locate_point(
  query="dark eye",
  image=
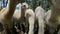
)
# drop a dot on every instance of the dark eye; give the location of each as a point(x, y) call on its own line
point(1, 27)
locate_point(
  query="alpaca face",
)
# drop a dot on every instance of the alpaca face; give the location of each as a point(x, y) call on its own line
point(25, 5)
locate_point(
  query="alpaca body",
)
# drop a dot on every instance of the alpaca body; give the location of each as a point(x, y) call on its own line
point(40, 13)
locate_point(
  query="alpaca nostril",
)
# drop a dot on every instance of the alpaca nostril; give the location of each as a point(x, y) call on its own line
point(1, 27)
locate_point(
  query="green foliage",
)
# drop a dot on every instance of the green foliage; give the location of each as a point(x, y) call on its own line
point(34, 3)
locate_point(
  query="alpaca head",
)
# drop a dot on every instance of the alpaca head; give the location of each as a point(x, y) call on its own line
point(25, 4)
point(23, 8)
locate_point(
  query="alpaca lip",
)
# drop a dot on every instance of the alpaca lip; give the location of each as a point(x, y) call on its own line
point(1, 27)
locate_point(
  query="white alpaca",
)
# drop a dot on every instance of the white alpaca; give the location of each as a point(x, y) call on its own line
point(18, 14)
point(40, 12)
point(31, 19)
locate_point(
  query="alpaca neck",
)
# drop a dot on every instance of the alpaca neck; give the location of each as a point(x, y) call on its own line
point(23, 12)
point(11, 9)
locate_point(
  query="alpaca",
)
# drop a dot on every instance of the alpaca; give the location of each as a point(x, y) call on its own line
point(6, 16)
point(40, 12)
point(30, 15)
point(28, 19)
point(20, 19)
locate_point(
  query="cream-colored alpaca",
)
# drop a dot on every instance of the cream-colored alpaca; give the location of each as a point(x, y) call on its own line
point(30, 15)
point(40, 13)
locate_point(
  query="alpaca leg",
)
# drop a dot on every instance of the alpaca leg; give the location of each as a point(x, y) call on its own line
point(31, 25)
point(41, 26)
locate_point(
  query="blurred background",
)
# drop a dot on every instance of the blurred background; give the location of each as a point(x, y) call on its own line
point(32, 4)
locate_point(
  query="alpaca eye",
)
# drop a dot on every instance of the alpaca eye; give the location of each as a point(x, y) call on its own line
point(1, 27)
